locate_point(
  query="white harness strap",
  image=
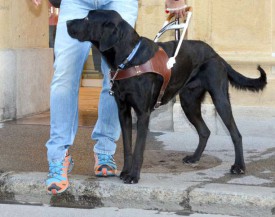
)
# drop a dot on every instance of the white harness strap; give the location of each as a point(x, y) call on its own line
point(172, 60)
point(173, 26)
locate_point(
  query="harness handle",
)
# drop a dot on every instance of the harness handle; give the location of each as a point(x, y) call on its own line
point(172, 60)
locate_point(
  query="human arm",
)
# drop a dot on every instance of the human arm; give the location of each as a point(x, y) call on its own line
point(175, 7)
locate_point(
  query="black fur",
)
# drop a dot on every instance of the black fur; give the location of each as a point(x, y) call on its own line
point(198, 69)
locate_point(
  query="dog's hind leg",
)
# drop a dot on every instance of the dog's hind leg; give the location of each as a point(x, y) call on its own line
point(223, 107)
point(190, 98)
point(220, 97)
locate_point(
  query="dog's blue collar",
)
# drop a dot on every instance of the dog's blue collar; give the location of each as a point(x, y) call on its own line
point(130, 57)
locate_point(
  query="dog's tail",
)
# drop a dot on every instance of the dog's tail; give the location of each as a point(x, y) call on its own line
point(239, 81)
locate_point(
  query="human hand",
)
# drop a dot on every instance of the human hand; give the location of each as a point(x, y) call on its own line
point(176, 7)
point(36, 2)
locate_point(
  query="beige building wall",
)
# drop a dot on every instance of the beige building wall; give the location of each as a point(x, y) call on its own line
point(151, 17)
point(243, 32)
point(23, 25)
point(25, 59)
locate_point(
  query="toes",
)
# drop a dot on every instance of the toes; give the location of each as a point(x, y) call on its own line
point(128, 179)
point(236, 169)
point(131, 180)
point(123, 175)
point(189, 160)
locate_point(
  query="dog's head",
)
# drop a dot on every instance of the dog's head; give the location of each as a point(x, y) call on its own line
point(104, 28)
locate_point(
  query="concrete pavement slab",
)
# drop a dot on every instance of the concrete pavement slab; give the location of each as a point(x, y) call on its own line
point(238, 200)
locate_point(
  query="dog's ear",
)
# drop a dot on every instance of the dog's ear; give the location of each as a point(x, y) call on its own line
point(109, 37)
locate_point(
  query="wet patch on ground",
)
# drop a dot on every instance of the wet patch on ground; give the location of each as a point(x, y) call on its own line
point(160, 161)
point(67, 199)
point(22, 149)
point(6, 196)
point(263, 169)
point(258, 173)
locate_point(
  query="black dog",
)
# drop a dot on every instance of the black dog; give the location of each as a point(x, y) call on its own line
point(198, 69)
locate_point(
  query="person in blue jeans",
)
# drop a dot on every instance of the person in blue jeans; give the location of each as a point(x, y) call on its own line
point(70, 56)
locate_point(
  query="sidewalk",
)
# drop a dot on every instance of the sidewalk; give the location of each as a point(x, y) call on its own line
point(166, 184)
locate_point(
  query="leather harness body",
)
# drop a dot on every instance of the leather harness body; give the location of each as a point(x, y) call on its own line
point(157, 64)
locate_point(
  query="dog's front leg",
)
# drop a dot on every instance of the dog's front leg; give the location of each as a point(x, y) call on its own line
point(125, 118)
point(142, 129)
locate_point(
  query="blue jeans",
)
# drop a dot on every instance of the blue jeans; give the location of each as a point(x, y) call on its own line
point(70, 56)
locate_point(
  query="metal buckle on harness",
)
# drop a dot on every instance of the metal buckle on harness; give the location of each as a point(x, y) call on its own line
point(112, 80)
point(111, 92)
point(157, 105)
point(138, 69)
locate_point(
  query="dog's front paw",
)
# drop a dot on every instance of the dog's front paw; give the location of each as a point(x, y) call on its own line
point(128, 179)
point(189, 160)
point(237, 169)
point(123, 175)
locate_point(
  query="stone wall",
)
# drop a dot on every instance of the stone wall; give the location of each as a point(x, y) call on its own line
point(25, 59)
point(242, 32)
